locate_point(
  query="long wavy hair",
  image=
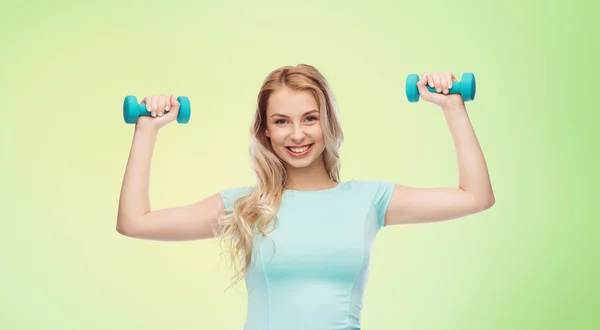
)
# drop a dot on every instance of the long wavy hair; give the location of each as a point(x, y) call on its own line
point(256, 212)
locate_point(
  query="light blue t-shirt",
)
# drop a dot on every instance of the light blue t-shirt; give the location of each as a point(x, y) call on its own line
point(312, 271)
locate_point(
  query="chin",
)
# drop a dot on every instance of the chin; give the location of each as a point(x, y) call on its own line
point(294, 163)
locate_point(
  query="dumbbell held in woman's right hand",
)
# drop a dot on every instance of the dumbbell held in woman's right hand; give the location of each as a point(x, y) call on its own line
point(132, 109)
point(466, 87)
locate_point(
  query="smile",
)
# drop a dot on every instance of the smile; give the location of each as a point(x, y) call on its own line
point(301, 151)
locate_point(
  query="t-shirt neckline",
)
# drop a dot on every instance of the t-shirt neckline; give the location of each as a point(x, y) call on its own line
point(312, 192)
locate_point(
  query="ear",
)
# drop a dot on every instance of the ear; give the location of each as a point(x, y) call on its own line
point(267, 134)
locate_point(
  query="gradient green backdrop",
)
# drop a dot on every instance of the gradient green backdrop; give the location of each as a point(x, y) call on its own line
point(530, 262)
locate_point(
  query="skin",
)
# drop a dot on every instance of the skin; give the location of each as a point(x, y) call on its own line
point(408, 204)
point(473, 193)
point(293, 119)
point(291, 124)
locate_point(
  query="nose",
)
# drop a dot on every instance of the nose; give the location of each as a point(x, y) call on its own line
point(298, 134)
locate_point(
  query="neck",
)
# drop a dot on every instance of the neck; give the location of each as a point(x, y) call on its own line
point(313, 177)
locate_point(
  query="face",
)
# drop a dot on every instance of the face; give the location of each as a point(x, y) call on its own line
point(294, 127)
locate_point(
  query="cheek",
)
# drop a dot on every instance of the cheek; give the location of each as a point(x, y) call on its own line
point(276, 137)
point(316, 132)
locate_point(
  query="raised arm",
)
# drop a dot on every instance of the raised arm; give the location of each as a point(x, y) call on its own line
point(135, 217)
point(474, 190)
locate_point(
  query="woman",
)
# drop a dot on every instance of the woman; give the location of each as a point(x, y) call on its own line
point(302, 236)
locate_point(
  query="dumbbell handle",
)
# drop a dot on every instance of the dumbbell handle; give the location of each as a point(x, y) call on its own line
point(143, 112)
point(455, 89)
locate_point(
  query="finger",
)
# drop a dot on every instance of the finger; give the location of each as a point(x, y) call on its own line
point(430, 79)
point(449, 80)
point(422, 84)
point(445, 83)
point(162, 101)
point(148, 102)
point(154, 105)
point(168, 105)
point(174, 103)
point(423, 81)
point(437, 82)
point(172, 114)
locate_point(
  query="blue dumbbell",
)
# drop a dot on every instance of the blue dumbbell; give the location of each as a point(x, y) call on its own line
point(132, 110)
point(465, 87)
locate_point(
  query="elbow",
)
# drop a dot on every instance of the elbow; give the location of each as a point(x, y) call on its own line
point(125, 228)
point(486, 203)
point(122, 230)
point(481, 202)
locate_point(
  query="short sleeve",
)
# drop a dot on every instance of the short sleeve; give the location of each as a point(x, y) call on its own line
point(229, 196)
point(380, 193)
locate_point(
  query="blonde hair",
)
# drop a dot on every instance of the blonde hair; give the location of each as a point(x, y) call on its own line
point(254, 212)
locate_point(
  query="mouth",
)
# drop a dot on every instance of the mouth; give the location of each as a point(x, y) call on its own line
point(299, 151)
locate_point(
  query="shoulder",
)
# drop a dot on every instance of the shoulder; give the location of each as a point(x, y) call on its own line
point(230, 195)
point(375, 189)
point(378, 192)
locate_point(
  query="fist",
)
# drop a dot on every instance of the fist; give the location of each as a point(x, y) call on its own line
point(163, 110)
point(442, 82)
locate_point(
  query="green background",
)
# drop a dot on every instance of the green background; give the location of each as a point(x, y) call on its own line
point(530, 262)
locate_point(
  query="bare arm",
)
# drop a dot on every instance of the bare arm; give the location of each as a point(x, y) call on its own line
point(135, 217)
point(474, 191)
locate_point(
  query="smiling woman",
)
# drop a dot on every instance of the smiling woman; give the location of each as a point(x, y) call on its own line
point(302, 236)
point(295, 150)
point(295, 132)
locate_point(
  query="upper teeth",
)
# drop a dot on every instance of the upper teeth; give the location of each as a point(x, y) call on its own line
point(303, 149)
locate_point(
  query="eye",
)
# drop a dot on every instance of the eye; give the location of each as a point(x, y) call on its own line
point(311, 117)
point(280, 121)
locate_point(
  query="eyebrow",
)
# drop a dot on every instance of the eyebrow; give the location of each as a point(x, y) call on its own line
point(306, 113)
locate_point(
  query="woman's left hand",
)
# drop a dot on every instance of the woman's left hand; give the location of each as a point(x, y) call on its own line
point(442, 82)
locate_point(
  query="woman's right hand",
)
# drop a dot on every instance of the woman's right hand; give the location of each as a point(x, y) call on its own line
point(157, 106)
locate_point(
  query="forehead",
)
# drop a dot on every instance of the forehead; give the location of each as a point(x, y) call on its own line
point(286, 101)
